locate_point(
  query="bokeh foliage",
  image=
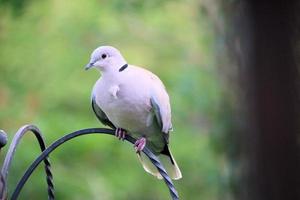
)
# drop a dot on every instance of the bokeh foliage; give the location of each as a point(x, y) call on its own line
point(43, 50)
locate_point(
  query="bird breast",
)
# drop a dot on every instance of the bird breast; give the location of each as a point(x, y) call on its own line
point(125, 107)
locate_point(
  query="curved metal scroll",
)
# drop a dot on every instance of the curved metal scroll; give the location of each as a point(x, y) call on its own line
point(72, 135)
point(11, 152)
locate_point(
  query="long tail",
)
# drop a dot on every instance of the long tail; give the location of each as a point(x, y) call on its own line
point(166, 159)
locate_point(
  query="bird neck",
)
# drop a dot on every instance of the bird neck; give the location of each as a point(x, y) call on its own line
point(123, 67)
point(114, 74)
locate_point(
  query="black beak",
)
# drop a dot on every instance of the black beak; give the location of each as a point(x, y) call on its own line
point(88, 66)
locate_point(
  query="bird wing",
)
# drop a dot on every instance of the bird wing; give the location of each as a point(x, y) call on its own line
point(159, 100)
point(101, 115)
point(163, 117)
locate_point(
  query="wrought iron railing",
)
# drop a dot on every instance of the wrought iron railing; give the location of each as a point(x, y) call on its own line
point(44, 156)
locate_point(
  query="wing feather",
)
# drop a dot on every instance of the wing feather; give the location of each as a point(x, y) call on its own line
point(161, 119)
point(101, 115)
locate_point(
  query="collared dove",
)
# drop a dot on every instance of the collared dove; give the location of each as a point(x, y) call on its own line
point(133, 101)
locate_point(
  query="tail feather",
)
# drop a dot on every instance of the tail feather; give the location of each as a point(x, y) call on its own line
point(148, 166)
point(167, 161)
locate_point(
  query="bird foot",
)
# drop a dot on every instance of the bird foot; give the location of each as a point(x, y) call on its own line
point(120, 133)
point(140, 144)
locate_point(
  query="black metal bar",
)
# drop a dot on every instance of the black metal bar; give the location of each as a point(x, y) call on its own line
point(3, 141)
point(72, 135)
point(11, 152)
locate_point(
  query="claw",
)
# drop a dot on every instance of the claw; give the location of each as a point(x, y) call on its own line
point(123, 134)
point(120, 133)
point(140, 144)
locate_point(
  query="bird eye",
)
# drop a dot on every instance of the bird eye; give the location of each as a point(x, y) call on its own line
point(103, 56)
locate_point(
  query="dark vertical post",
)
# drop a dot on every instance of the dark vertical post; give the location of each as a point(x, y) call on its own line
point(273, 104)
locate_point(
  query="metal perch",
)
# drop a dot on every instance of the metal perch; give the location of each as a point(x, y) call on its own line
point(11, 152)
point(46, 151)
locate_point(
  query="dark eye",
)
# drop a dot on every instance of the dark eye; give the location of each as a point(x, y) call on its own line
point(103, 56)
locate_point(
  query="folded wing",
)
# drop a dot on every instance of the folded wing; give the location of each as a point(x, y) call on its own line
point(101, 115)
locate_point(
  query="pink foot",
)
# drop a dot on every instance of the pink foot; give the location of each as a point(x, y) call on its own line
point(120, 133)
point(140, 144)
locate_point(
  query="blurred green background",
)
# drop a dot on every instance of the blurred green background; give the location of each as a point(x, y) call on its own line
point(44, 46)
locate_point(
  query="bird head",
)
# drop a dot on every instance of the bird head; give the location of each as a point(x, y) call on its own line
point(106, 58)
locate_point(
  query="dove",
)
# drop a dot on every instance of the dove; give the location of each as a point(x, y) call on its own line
point(134, 101)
